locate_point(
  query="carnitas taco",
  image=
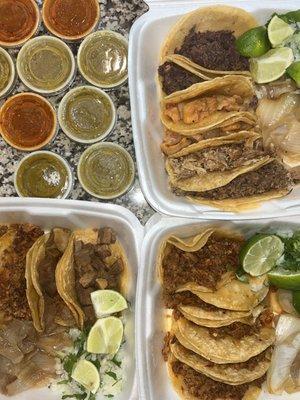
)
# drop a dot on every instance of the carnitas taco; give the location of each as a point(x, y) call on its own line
point(41, 289)
point(208, 105)
point(93, 260)
point(215, 162)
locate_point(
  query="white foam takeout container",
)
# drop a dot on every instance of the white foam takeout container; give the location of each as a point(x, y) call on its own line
point(154, 383)
point(146, 38)
point(80, 214)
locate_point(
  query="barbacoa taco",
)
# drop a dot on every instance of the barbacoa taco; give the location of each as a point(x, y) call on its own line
point(41, 290)
point(207, 105)
point(93, 260)
point(215, 162)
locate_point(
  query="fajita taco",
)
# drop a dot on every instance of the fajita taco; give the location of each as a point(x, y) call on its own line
point(93, 259)
point(231, 374)
point(235, 343)
point(215, 162)
point(207, 105)
point(41, 289)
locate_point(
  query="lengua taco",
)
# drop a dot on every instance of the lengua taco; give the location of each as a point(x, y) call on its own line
point(41, 289)
point(207, 105)
point(93, 259)
point(215, 162)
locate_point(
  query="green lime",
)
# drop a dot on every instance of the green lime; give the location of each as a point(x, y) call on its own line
point(272, 65)
point(253, 43)
point(284, 279)
point(294, 72)
point(278, 31)
point(105, 337)
point(107, 302)
point(87, 375)
point(296, 300)
point(260, 254)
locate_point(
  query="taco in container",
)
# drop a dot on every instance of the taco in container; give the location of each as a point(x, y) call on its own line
point(208, 105)
point(93, 260)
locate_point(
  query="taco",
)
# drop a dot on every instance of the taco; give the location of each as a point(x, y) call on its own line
point(192, 385)
point(204, 40)
point(215, 162)
point(248, 190)
point(93, 260)
point(236, 343)
point(231, 374)
point(207, 105)
point(188, 262)
point(41, 290)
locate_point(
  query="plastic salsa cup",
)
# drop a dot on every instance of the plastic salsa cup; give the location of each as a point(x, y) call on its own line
point(103, 59)
point(7, 73)
point(19, 21)
point(27, 121)
point(43, 174)
point(71, 20)
point(106, 170)
point(86, 114)
point(46, 65)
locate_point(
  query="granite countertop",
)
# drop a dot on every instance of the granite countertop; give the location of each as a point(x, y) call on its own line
point(117, 15)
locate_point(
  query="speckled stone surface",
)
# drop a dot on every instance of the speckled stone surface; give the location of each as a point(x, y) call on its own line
point(117, 15)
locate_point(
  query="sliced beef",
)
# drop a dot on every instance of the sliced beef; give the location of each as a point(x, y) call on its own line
point(106, 236)
point(213, 50)
point(176, 78)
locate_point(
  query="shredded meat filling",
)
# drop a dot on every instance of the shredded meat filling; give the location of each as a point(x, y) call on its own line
point(176, 78)
point(213, 50)
point(221, 158)
point(173, 300)
point(204, 388)
point(180, 267)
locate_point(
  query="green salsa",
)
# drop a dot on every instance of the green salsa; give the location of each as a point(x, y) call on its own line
point(5, 72)
point(86, 114)
point(103, 58)
point(106, 170)
point(42, 175)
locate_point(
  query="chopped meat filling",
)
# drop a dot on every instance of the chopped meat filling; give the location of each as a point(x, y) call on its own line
point(93, 271)
point(213, 50)
point(221, 158)
point(173, 300)
point(205, 388)
point(205, 267)
point(238, 331)
point(13, 301)
point(176, 78)
point(196, 110)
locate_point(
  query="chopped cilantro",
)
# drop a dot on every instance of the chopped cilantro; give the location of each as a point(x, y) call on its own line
point(118, 380)
point(96, 363)
point(112, 375)
point(116, 362)
point(64, 382)
point(291, 259)
point(79, 396)
point(110, 396)
point(69, 362)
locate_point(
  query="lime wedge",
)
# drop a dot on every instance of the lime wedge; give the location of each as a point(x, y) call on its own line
point(294, 72)
point(260, 254)
point(105, 337)
point(272, 65)
point(87, 375)
point(296, 300)
point(284, 279)
point(106, 302)
point(278, 31)
point(253, 43)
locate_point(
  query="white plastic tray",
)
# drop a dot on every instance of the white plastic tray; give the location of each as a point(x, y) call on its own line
point(146, 37)
point(152, 372)
point(73, 214)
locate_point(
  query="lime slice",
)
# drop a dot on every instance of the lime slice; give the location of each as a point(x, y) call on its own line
point(294, 72)
point(284, 279)
point(260, 254)
point(87, 375)
point(105, 337)
point(296, 300)
point(107, 302)
point(253, 43)
point(272, 65)
point(278, 31)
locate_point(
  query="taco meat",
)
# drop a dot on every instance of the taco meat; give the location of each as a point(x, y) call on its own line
point(176, 78)
point(204, 388)
point(205, 267)
point(272, 176)
point(213, 50)
point(219, 158)
point(173, 300)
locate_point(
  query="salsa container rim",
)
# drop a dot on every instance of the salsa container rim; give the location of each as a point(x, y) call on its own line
point(9, 87)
